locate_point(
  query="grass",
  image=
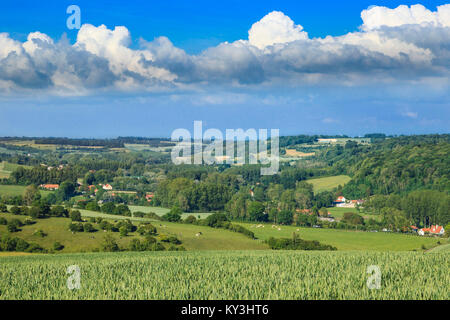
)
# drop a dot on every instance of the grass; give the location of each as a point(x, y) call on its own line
point(6, 168)
point(238, 275)
point(328, 183)
point(348, 240)
point(57, 230)
point(339, 213)
point(162, 211)
point(14, 190)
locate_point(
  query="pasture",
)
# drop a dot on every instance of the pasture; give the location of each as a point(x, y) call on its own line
point(14, 190)
point(347, 240)
point(241, 275)
point(57, 230)
point(328, 183)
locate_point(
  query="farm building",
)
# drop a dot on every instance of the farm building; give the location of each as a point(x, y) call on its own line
point(107, 187)
point(50, 186)
point(436, 230)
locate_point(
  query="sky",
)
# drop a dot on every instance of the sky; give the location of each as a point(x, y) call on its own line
point(146, 68)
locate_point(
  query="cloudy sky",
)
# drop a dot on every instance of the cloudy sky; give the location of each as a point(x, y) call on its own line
point(148, 68)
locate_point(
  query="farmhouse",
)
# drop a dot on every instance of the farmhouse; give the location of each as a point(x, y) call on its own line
point(107, 187)
point(435, 229)
point(50, 186)
point(149, 196)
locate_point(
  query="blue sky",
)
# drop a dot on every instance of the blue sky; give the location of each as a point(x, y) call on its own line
point(382, 77)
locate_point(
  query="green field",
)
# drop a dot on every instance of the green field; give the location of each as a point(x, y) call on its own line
point(162, 211)
point(6, 168)
point(57, 230)
point(13, 190)
point(244, 275)
point(348, 240)
point(328, 183)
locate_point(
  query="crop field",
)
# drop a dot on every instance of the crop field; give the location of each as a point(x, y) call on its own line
point(348, 240)
point(227, 275)
point(328, 183)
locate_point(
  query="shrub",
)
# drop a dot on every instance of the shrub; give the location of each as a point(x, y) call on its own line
point(297, 244)
point(174, 215)
point(15, 210)
point(190, 219)
point(57, 246)
point(109, 244)
point(76, 227)
point(3, 221)
point(75, 215)
point(215, 218)
point(39, 233)
point(3, 207)
point(87, 227)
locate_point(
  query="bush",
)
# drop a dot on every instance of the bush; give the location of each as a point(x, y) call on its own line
point(3, 207)
point(147, 229)
point(75, 215)
point(21, 245)
point(57, 246)
point(15, 210)
point(152, 215)
point(109, 244)
point(76, 227)
point(297, 244)
point(92, 206)
point(174, 215)
point(123, 231)
point(3, 221)
point(87, 227)
point(39, 233)
point(29, 222)
point(190, 219)
point(35, 248)
point(139, 214)
point(214, 219)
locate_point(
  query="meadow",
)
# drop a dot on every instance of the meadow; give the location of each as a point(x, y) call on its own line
point(57, 230)
point(348, 240)
point(14, 190)
point(220, 275)
point(328, 183)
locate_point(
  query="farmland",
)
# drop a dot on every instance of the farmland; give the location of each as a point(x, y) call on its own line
point(328, 183)
point(57, 230)
point(227, 275)
point(13, 190)
point(347, 240)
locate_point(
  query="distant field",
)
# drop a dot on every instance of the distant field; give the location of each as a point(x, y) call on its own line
point(348, 240)
point(13, 190)
point(162, 211)
point(241, 275)
point(328, 183)
point(339, 213)
point(6, 168)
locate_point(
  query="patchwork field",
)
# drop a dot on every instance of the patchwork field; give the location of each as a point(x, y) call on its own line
point(328, 183)
point(221, 275)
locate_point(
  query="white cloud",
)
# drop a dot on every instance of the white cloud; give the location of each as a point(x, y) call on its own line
point(275, 28)
point(409, 44)
point(376, 17)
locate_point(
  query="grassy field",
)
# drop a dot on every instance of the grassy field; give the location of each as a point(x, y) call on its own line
point(339, 213)
point(222, 275)
point(162, 211)
point(348, 240)
point(57, 230)
point(13, 190)
point(6, 168)
point(328, 183)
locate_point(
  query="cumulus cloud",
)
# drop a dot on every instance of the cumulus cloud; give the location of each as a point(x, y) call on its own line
point(391, 45)
point(275, 28)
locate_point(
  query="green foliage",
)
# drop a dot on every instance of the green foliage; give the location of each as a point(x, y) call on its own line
point(174, 215)
point(75, 215)
point(297, 244)
point(109, 244)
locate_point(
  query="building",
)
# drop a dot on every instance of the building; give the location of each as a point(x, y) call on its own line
point(107, 187)
point(434, 230)
point(50, 186)
point(149, 196)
